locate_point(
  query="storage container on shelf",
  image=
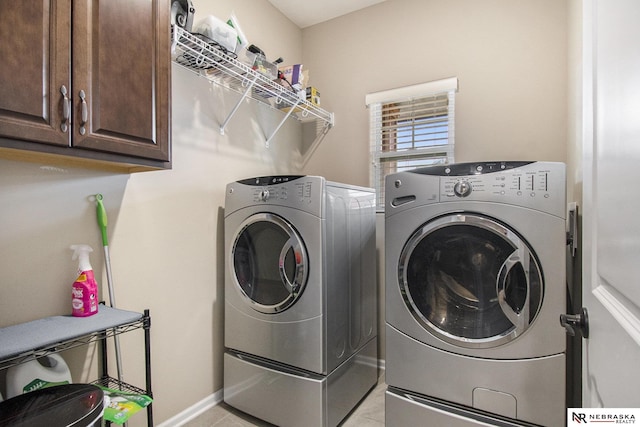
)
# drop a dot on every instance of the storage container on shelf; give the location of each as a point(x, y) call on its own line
point(264, 67)
point(218, 31)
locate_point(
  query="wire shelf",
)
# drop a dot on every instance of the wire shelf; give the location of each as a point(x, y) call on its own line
point(65, 343)
point(116, 384)
point(208, 59)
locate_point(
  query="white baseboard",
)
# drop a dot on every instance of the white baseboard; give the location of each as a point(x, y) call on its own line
point(194, 410)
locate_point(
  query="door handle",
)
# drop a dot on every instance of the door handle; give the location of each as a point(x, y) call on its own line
point(576, 322)
point(66, 109)
point(84, 113)
point(518, 316)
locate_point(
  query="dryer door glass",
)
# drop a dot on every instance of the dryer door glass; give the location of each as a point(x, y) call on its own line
point(269, 262)
point(470, 280)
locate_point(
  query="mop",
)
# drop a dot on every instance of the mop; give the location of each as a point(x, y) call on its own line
point(102, 222)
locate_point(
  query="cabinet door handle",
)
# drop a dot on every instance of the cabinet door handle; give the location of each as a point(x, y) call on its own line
point(66, 109)
point(84, 112)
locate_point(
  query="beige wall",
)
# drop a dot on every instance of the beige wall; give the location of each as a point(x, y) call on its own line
point(574, 96)
point(166, 227)
point(510, 58)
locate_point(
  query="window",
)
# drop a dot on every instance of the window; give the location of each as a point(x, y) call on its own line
point(410, 127)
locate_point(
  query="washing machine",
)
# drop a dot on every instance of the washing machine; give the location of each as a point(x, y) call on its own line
point(300, 298)
point(475, 285)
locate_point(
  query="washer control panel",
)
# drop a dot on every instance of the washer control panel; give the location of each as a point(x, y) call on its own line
point(535, 185)
point(529, 181)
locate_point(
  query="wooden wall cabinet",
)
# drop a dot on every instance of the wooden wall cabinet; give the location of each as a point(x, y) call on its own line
point(86, 80)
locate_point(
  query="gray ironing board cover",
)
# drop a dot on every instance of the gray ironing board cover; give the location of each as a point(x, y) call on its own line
point(42, 333)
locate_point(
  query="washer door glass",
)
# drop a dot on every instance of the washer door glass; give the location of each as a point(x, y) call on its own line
point(470, 280)
point(269, 262)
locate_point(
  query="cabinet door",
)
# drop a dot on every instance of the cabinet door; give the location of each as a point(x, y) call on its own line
point(121, 77)
point(34, 67)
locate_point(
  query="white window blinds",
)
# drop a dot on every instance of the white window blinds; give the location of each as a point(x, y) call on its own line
point(410, 127)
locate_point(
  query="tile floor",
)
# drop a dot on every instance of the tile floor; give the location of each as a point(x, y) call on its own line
point(369, 413)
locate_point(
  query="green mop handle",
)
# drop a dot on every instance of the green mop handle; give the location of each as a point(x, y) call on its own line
point(102, 222)
point(102, 219)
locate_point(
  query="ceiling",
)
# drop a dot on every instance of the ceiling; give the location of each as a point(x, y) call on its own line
point(307, 13)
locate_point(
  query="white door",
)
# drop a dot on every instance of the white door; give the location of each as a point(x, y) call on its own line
point(611, 221)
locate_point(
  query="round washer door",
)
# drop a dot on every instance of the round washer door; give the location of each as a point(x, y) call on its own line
point(269, 263)
point(470, 280)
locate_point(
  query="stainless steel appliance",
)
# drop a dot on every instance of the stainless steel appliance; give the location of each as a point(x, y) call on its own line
point(475, 285)
point(300, 299)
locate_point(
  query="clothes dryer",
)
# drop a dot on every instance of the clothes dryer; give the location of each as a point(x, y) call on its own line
point(475, 285)
point(300, 298)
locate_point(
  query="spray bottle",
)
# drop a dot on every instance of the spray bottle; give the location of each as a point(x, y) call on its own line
point(84, 295)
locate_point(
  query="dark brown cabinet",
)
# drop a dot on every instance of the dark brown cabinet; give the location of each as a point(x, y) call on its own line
point(86, 80)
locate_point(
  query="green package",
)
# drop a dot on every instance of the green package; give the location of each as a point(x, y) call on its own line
point(123, 405)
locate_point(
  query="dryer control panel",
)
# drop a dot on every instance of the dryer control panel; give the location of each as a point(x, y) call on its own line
point(300, 191)
point(296, 191)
